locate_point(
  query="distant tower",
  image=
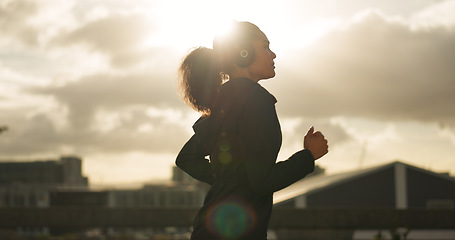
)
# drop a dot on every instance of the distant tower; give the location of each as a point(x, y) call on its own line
point(72, 172)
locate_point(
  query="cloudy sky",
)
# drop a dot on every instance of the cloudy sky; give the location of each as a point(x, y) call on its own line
point(97, 79)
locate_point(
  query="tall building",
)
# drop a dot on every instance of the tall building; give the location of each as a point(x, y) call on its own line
point(65, 172)
point(72, 172)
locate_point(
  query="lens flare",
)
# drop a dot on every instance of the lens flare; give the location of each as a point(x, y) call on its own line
point(225, 156)
point(231, 218)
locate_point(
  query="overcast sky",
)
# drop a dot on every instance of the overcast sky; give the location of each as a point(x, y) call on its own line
point(97, 79)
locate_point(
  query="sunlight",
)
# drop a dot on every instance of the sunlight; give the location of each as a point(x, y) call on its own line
point(106, 169)
point(190, 25)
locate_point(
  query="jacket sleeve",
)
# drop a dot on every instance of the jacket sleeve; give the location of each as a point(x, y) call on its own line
point(191, 159)
point(260, 135)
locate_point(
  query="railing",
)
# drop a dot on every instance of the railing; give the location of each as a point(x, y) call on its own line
point(282, 218)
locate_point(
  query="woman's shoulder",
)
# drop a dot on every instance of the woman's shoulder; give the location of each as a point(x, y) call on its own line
point(253, 90)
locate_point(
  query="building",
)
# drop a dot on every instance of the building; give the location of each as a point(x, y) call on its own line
point(61, 183)
point(182, 191)
point(28, 184)
point(394, 185)
point(78, 198)
point(67, 172)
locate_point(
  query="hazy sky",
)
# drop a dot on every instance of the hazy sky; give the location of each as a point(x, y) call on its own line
point(97, 79)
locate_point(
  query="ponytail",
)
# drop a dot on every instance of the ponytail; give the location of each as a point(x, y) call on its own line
point(200, 79)
point(203, 71)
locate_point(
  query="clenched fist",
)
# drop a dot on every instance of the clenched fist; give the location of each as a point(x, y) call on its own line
point(316, 143)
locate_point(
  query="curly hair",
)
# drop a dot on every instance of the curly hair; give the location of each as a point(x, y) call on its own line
point(204, 70)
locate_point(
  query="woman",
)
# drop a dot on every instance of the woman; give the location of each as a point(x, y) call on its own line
point(240, 134)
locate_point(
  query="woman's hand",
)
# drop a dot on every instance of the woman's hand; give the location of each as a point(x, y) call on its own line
point(316, 143)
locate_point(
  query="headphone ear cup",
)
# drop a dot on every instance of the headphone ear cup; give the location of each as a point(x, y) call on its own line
point(245, 56)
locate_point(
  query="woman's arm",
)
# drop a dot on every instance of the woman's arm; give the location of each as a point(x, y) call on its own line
point(258, 134)
point(191, 160)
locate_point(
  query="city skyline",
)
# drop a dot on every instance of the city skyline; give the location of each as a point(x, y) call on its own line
point(98, 79)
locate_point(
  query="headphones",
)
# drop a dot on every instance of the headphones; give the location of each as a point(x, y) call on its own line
point(245, 56)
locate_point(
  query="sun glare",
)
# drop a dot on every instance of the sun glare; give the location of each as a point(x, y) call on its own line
point(187, 26)
point(196, 23)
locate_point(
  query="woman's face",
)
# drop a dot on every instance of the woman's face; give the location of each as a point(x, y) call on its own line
point(263, 66)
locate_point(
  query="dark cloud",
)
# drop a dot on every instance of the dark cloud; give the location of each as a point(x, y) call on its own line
point(126, 97)
point(374, 68)
point(88, 108)
point(26, 135)
point(38, 135)
point(89, 94)
point(35, 135)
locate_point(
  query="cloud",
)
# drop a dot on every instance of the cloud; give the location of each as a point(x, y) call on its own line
point(82, 106)
point(113, 91)
point(34, 136)
point(14, 24)
point(99, 113)
point(91, 80)
point(38, 135)
point(440, 14)
point(122, 37)
point(376, 67)
point(295, 129)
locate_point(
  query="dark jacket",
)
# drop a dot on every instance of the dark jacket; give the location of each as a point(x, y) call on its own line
point(242, 138)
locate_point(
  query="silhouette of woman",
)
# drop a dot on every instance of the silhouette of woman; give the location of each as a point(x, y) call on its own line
point(240, 134)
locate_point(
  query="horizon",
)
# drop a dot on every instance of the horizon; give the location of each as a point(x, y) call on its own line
point(166, 181)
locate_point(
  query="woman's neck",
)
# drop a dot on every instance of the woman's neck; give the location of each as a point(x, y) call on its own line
point(243, 73)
